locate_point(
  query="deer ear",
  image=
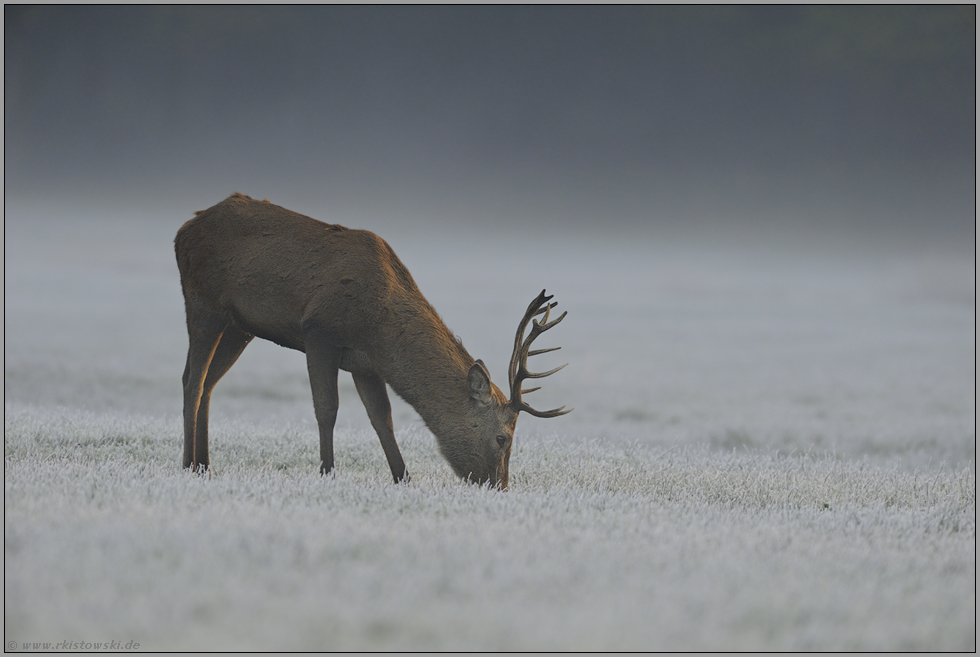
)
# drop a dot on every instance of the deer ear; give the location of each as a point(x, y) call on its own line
point(478, 380)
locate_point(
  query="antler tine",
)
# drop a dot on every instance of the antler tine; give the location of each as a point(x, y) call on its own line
point(541, 375)
point(547, 314)
point(544, 309)
point(518, 371)
point(555, 412)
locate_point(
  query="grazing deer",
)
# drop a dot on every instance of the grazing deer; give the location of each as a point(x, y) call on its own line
point(250, 268)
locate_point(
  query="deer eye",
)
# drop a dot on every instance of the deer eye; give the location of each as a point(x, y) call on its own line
point(502, 440)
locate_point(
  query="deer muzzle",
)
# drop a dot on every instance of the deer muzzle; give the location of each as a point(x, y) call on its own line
point(503, 471)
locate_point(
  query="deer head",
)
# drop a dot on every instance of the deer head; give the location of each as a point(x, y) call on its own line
point(492, 416)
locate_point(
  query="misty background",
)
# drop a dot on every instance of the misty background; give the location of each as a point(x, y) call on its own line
point(851, 123)
point(760, 220)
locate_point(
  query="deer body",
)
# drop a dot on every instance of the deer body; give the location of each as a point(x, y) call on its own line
point(253, 269)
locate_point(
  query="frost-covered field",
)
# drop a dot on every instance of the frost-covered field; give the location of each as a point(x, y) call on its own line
point(772, 448)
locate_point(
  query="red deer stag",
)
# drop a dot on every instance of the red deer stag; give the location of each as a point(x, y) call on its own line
point(250, 268)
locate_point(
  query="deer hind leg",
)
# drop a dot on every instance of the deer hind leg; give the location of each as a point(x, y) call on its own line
point(230, 346)
point(204, 337)
point(323, 363)
point(372, 390)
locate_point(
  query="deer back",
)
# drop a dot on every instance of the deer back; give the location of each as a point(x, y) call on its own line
point(276, 273)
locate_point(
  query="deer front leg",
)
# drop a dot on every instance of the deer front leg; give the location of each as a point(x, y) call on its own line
point(372, 390)
point(322, 362)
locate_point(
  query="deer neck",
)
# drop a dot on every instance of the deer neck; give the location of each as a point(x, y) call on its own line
point(426, 365)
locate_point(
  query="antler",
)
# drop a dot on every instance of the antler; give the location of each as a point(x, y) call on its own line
point(518, 362)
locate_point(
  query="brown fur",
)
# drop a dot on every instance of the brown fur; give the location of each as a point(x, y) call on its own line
point(250, 268)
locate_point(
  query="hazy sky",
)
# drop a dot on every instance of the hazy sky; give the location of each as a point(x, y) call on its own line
point(577, 114)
